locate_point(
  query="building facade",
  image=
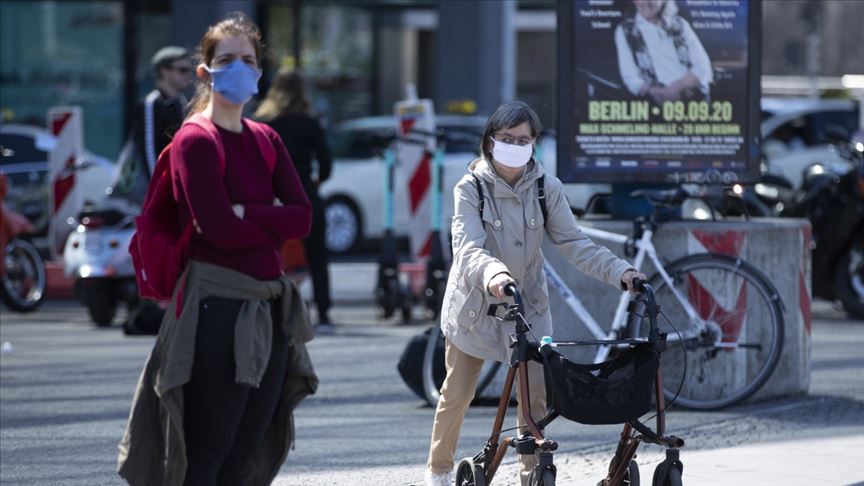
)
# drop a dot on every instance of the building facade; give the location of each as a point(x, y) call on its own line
point(358, 56)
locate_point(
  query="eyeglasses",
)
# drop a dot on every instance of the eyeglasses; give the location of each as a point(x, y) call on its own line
point(522, 141)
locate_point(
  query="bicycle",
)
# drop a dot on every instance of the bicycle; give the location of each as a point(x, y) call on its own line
point(708, 343)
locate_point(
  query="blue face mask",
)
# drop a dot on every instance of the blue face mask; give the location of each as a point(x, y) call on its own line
point(236, 82)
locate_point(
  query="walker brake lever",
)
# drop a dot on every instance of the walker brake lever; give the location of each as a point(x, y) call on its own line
point(509, 315)
point(493, 311)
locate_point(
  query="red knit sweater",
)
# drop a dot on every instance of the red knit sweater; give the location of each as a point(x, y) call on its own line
point(251, 244)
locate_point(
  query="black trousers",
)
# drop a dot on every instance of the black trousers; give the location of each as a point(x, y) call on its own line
point(316, 253)
point(224, 421)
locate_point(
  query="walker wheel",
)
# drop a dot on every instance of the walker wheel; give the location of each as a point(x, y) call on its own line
point(470, 474)
point(542, 477)
point(632, 476)
point(667, 476)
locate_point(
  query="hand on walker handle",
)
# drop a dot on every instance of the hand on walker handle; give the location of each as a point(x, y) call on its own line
point(627, 280)
point(497, 284)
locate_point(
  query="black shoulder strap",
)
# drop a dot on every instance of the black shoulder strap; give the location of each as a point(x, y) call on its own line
point(541, 197)
point(479, 193)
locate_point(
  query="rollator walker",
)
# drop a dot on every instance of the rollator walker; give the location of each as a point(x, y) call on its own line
point(617, 391)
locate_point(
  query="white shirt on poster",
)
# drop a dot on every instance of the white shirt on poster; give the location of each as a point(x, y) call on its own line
point(661, 48)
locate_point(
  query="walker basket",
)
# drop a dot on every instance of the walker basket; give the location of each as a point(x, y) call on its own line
point(613, 392)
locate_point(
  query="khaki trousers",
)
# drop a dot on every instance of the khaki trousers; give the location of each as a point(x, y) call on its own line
point(463, 371)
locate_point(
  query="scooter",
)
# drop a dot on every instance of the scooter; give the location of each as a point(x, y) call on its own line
point(96, 255)
point(390, 293)
point(834, 204)
point(22, 269)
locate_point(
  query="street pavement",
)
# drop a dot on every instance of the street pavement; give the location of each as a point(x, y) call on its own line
point(66, 386)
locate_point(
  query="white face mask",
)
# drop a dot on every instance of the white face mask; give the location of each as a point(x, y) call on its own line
point(511, 155)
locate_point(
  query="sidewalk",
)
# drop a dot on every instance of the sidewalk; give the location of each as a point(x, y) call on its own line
point(809, 461)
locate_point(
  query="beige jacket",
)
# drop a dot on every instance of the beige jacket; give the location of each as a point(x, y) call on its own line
point(153, 448)
point(508, 239)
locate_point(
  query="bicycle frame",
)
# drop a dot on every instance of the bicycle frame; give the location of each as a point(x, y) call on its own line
point(644, 246)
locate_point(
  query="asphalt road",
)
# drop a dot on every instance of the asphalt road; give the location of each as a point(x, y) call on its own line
point(66, 387)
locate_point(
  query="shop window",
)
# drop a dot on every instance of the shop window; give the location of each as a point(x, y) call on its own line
point(335, 55)
point(64, 53)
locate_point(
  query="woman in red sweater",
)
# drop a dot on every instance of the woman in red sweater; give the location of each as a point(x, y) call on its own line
point(238, 226)
point(228, 348)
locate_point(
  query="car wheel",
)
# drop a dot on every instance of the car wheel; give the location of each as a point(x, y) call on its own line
point(343, 224)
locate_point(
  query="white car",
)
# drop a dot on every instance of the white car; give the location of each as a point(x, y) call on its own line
point(794, 135)
point(354, 193)
point(24, 150)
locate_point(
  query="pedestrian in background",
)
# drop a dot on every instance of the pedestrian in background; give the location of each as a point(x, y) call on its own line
point(162, 111)
point(287, 110)
point(214, 403)
point(496, 242)
point(154, 123)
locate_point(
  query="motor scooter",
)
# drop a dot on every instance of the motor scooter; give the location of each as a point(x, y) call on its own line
point(834, 204)
point(97, 257)
point(96, 254)
point(22, 269)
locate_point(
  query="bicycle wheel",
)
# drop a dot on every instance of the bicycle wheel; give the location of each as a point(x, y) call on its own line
point(732, 346)
point(431, 360)
point(23, 280)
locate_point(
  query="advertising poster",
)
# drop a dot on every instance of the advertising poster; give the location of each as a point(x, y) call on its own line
point(658, 91)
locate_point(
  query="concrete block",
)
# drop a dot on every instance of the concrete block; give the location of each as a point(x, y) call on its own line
point(780, 248)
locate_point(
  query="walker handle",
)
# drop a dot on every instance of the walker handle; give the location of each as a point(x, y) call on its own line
point(511, 290)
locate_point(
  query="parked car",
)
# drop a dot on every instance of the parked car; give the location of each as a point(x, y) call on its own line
point(24, 160)
point(354, 194)
point(796, 135)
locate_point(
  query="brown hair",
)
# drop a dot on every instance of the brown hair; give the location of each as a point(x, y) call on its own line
point(236, 24)
point(287, 94)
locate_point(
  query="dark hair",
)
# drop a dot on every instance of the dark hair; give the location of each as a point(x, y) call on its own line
point(287, 94)
point(236, 24)
point(508, 115)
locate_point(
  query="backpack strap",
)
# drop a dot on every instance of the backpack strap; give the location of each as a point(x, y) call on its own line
point(479, 193)
point(265, 143)
point(210, 128)
point(541, 198)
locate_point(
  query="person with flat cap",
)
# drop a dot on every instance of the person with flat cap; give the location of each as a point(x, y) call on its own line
point(155, 121)
point(164, 108)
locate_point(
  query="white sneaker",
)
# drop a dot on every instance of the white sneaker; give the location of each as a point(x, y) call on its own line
point(443, 479)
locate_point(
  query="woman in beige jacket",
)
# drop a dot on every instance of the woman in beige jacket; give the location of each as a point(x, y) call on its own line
point(493, 250)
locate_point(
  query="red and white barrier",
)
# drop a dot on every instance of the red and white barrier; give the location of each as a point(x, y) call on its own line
point(415, 121)
point(66, 123)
